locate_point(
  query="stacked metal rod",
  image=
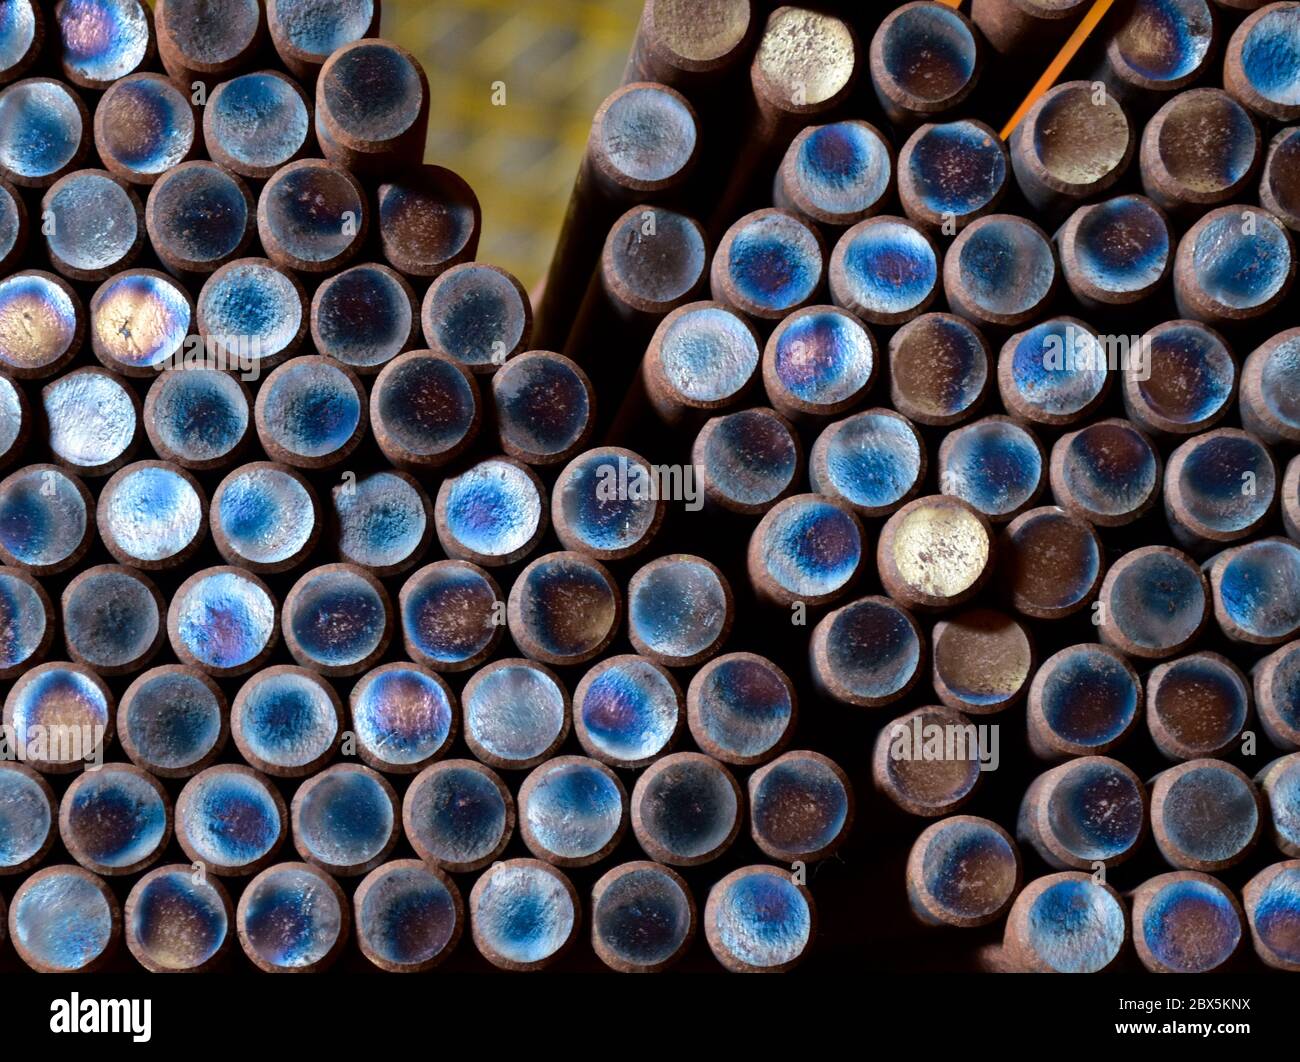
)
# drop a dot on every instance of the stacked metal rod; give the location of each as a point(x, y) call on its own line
point(251, 372)
point(1011, 369)
point(763, 523)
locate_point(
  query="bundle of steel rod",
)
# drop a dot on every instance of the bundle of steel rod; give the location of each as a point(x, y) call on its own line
point(880, 448)
point(314, 554)
point(1036, 361)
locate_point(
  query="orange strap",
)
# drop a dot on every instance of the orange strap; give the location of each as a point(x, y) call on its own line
point(1071, 47)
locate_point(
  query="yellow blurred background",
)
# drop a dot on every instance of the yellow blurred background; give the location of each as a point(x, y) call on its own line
point(557, 60)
